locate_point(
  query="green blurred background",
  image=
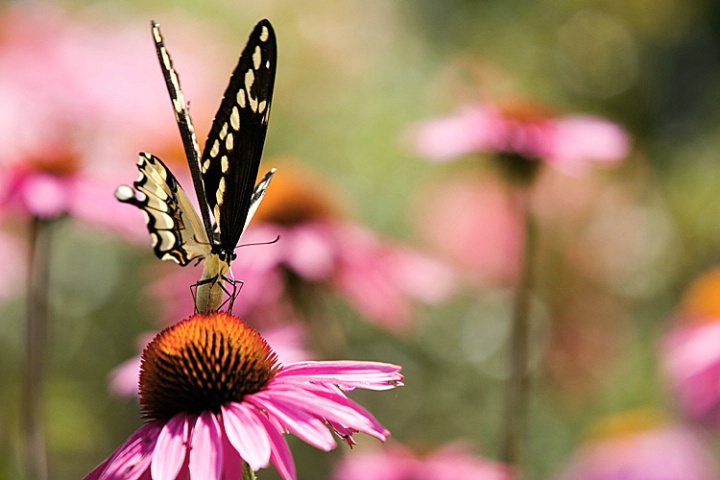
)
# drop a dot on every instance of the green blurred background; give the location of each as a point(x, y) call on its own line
point(352, 75)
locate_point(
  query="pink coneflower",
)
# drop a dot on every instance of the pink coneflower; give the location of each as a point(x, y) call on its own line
point(325, 252)
point(73, 107)
point(287, 339)
point(635, 446)
point(690, 354)
point(214, 396)
point(381, 279)
point(482, 236)
point(523, 129)
point(397, 462)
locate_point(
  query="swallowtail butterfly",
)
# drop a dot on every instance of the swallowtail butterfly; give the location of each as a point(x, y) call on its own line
point(223, 176)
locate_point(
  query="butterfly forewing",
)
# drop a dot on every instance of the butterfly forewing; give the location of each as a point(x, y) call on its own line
point(184, 122)
point(231, 155)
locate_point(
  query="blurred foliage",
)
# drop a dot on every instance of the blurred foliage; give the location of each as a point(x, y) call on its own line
point(352, 76)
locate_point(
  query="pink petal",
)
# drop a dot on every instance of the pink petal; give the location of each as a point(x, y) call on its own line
point(306, 426)
point(247, 435)
point(232, 461)
point(95, 474)
point(346, 373)
point(471, 130)
point(132, 459)
point(124, 378)
point(171, 448)
point(206, 459)
point(334, 408)
point(420, 276)
point(310, 251)
point(582, 139)
point(280, 453)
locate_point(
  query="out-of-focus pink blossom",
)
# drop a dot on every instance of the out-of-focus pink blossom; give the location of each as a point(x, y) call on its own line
point(691, 359)
point(520, 128)
point(656, 453)
point(78, 103)
point(381, 279)
point(690, 353)
point(472, 223)
point(397, 462)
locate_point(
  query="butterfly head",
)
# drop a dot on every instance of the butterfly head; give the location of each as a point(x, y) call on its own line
point(226, 256)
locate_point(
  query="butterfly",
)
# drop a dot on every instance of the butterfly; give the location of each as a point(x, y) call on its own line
point(223, 176)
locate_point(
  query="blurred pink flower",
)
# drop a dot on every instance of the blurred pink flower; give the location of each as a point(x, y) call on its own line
point(657, 453)
point(471, 222)
point(690, 353)
point(691, 360)
point(215, 396)
point(396, 462)
point(567, 143)
point(75, 110)
point(379, 278)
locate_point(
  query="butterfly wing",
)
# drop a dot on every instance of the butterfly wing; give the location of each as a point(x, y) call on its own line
point(232, 153)
point(185, 125)
point(176, 230)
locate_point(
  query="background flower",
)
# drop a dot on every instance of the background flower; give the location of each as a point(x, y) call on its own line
point(396, 462)
point(618, 246)
point(663, 451)
point(519, 127)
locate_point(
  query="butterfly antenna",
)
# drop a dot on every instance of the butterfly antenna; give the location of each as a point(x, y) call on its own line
point(277, 239)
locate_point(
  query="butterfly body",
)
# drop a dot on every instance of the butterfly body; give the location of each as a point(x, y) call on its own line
point(223, 176)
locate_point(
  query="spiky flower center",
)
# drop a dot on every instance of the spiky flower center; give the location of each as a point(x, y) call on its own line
point(201, 363)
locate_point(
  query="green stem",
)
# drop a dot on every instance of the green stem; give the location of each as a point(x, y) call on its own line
point(516, 401)
point(247, 473)
point(33, 428)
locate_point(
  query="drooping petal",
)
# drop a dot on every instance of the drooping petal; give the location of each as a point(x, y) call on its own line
point(232, 462)
point(171, 449)
point(334, 408)
point(206, 459)
point(367, 424)
point(280, 453)
point(304, 425)
point(133, 457)
point(97, 471)
point(347, 374)
point(247, 435)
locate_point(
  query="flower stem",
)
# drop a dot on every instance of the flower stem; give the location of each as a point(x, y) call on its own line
point(516, 400)
point(247, 473)
point(35, 450)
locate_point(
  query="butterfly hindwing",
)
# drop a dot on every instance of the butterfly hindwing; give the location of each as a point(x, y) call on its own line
point(176, 230)
point(231, 155)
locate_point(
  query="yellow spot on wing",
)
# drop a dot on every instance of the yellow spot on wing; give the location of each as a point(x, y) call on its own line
point(235, 118)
